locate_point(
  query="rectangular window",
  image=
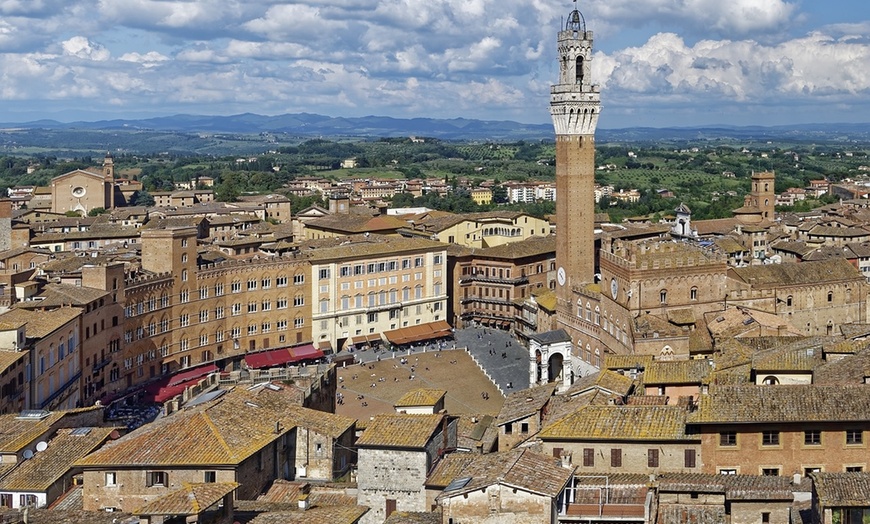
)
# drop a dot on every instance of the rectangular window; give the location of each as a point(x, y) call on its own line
point(616, 458)
point(812, 437)
point(111, 479)
point(588, 458)
point(728, 438)
point(156, 478)
point(770, 438)
point(690, 458)
point(508, 428)
point(854, 469)
point(323, 273)
point(652, 458)
point(854, 436)
point(209, 477)
point(770, 472)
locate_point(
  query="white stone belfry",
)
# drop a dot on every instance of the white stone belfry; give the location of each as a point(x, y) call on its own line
point(575, 102)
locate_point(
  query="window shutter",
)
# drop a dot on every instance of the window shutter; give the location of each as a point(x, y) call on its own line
point(690, 458)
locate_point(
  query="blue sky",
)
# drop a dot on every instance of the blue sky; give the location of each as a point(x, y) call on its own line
point(659, 62)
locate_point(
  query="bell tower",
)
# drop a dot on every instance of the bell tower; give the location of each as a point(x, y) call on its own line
point(575, 103)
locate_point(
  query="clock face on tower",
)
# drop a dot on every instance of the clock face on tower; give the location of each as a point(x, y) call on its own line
point(561, 276)
point(614, 288)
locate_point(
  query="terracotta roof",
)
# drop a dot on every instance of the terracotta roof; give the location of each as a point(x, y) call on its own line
point(783, 403)
point(353, 223)
point(189, 499)
point(644, 423)
point(521, 404)
point(626, 361)
point(789, 360)
point(47, 467)
point(735, 487)
point(319, 515)
point(361, 247)
point(55, 516)
point(41, 323)
point(17, 433)
point(58, 295)
point(677, 371)
point(796, 274)
point(842, 489)
point(400, 431)
point(420, 397)
point(8, 358)
point(414, 517)
point(521, 469)
point(848, 370)
point(223, 432)
point(606, 380)
point(449, 468)
point(532, 246)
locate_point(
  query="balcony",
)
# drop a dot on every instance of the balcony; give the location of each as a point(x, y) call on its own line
point(494, 280)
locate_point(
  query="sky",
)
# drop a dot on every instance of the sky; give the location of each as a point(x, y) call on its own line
point(659, 63)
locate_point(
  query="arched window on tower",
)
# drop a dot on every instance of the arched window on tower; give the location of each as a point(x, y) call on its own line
point(578, 73)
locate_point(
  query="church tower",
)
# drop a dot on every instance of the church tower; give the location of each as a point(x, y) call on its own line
point(574, 105)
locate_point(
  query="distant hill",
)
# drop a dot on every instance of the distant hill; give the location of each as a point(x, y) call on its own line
point(252, 134)
point(313, 125)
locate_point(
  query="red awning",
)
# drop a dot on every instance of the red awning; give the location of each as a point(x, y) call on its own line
point(305, 352)
point(192, 373)
point(268, 359)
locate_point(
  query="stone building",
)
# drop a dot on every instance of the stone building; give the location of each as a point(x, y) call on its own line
point(395, 454)
point(625, 439)
point(816, 297)
point(517, 486)
point(247, 436)
point(488, 285)
point(82, 191)
point(363, 286)
point(783, 429)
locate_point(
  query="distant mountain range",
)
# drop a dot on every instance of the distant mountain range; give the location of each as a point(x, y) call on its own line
point(313, 125)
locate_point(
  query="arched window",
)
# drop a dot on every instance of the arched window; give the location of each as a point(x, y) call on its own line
point(789, 301)
point(693, 294)
point(830, 296)
point(663, 296)
point(578, 73)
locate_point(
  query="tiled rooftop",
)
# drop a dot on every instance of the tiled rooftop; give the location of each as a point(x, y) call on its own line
point(522, 469)
point(46, 467)
point(421, 397)
point(842, 489)
point(523, 403)
point(676, 372)
point(189, 499)
point(643, 423)
point(400, 431)
point(783, 403)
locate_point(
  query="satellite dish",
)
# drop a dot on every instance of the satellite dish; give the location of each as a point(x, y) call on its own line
point(42, 446)
point(28, 454)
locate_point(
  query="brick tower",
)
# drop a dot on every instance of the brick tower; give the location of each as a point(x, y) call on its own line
point(574, 105)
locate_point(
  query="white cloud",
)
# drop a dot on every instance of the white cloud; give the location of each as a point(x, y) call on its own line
point(81, 47)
